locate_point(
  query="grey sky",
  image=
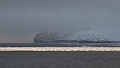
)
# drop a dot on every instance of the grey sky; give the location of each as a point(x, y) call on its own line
point(21, 20)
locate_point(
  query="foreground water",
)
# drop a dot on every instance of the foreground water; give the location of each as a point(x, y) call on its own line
point(59, 59)
point(59, 44)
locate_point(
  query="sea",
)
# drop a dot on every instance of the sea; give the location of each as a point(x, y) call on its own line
point(59, 44)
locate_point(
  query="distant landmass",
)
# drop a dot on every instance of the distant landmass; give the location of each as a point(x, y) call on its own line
point(75, 37)
point(80, 38)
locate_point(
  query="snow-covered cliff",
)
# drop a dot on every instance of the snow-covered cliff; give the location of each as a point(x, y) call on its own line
point(80, 35)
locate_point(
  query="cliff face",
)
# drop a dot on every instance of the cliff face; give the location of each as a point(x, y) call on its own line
point(45, 37)
point(79, 36)
point(48, 37)
point(68, 38)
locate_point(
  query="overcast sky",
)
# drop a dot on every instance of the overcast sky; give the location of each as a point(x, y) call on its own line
point(21, 20)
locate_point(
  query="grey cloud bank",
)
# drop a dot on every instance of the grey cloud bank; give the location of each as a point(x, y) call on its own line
point(21, 20)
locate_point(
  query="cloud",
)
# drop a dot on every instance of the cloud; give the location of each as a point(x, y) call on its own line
point(19, 18)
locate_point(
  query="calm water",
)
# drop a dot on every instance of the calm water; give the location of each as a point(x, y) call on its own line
point(59, 44)
point(59, 59)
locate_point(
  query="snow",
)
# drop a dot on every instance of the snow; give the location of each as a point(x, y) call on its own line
point(96, 35)
point(81, 34)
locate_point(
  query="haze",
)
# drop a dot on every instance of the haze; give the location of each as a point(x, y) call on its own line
point(21, 20)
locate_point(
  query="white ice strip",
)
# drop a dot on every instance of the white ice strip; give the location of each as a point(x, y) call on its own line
point(59, 48)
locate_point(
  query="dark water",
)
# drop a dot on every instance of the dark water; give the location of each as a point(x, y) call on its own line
point(59, 59)
point(59, 44)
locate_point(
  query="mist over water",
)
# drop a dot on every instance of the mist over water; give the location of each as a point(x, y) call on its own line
point(21, 20)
